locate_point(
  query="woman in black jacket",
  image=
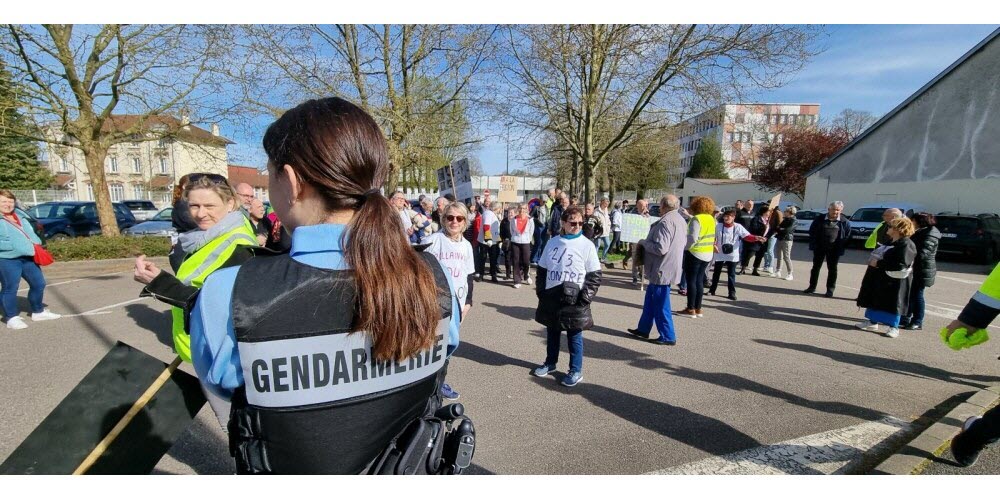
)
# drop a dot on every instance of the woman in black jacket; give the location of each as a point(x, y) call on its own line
point(925, 239)
point(568, 276)
point(885, 289)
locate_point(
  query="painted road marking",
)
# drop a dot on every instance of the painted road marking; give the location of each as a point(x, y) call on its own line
point(99, 309)
point(47, 285)
point(960, 280)
point(831, 452)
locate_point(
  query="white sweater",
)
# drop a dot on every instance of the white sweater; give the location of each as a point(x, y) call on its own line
point(529, 231)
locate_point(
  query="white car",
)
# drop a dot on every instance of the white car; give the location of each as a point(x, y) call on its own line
point(803, 219)
point(866, 218)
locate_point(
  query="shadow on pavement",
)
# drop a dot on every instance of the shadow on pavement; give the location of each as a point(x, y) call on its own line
point(887, 364)
point(481, 355)
point(151, 320)
point(787, 314)
point(680, 424)
point(518, 312)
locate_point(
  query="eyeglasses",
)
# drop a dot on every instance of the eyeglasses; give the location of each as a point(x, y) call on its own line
point(216, 178)
point(453, 218)
point(574, 223)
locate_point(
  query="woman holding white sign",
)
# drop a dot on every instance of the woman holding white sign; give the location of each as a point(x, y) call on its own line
point(568, 276)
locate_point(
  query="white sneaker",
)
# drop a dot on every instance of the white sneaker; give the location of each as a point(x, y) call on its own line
point(789, 277)
point(867, 326)
point(45, 315)
point(517, 285)
point(16, 323)
point(892, 333)
point(530, 282)
point(772, 274)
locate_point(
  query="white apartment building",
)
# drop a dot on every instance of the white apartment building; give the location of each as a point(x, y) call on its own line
point(146, 168)
point(740, 129)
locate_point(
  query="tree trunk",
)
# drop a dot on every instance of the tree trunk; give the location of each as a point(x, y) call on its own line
point(574, 186)
point(94, 157)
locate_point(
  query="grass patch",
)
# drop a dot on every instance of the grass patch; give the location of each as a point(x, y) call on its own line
point(107, 247)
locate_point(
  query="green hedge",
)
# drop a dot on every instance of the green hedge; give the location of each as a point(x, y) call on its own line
point(112, 247)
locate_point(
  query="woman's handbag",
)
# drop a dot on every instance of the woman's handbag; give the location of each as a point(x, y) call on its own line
point(42, 256)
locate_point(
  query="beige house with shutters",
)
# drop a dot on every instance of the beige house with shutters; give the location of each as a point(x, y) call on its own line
point(147, 168)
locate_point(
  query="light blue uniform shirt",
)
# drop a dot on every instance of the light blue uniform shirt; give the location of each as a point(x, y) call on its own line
point(213, 341)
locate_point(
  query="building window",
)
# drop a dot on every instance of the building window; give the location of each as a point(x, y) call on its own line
point(90, 191)
point(740, 118)
point(163, 165)
point(258, 192)
point(137, 191)
point(136, 166)
point(113, 165)
point(117, 192)
point(63, 164)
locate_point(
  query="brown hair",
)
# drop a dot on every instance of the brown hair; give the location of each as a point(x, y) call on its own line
point(7, 193)
point(702, 205)
point(573, 210)
point(903, 225)
point(338, 149)
point(776, 216)
point(179, 187)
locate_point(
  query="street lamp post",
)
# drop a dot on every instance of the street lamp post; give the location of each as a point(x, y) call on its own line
point(508, 148)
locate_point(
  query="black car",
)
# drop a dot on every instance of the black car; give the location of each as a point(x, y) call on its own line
point(654, 210)
point(69, 219)
point(974, 236)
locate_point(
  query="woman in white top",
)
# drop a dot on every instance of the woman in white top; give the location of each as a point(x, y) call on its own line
point(729, 238)
point(522, 228)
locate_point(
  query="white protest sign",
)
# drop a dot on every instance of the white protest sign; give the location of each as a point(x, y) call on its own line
point(774, 202)
point(634, 227)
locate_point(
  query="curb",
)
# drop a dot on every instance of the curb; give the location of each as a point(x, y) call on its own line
point(914, 456)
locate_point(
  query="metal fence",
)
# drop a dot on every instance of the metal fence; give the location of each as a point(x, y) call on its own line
point(32, 197)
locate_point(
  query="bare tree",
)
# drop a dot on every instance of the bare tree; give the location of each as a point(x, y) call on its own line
point(76, 78)
point(418, 81)
point(573, 80)
point(853, 122)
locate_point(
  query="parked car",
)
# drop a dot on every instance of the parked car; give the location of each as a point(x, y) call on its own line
point(160, 224)
point(868, 217)
point(972, 236)
point(804, 219)
point(654, 210)
point(69, 219)
point(142, 210)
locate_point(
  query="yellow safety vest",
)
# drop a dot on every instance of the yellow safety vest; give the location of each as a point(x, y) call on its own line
point(989, 293)
point(196, 269)
point(872, 240)
point(705, 244)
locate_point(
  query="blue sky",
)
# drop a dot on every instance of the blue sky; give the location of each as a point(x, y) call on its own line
point(864, 67)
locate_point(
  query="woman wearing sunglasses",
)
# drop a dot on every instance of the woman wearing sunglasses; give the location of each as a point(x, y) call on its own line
point(223, 237)
point(327, 353)
point(568, 276)
point(454, 252)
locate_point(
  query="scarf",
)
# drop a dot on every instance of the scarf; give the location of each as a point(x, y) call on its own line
point(522, 223)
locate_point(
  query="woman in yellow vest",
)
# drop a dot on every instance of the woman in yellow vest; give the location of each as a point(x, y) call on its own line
point(224, 238)
point(699, 251)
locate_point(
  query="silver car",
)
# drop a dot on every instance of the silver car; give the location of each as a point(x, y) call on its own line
point(160, 224)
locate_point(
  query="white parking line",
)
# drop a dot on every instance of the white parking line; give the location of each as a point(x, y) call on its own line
point(99, 309)
point(960, 280)
point(47, 285)
point(831, 452)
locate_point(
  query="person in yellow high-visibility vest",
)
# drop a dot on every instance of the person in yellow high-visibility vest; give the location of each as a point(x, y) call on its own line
point(224, 238)
point(699, 251)
point(880, 234)
point(977, 432)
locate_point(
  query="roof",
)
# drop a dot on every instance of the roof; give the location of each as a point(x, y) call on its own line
point(888, 116)
point(721, 181)
point(169, 124)
point(62, 179)
point(160, 181)
point(249, 175)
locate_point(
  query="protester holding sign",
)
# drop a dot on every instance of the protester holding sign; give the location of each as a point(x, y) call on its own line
point(567, 280)
point(18, 248)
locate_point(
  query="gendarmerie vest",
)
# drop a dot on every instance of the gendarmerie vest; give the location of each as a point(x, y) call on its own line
point(314, 401)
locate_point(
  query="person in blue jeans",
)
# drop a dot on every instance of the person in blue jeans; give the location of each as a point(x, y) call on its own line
point(17, 250)
point(664, 248)
point(568, 276)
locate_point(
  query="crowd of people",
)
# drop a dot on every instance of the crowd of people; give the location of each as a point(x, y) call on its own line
point(379, 289)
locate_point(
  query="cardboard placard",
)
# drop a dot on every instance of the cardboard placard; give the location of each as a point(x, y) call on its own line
point(635, 227)
point(774, 202)
point(508, 189)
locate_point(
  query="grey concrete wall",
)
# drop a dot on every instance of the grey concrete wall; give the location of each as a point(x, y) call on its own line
point(950, 132)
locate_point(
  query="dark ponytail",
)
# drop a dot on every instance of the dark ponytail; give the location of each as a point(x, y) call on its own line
point(338, 149)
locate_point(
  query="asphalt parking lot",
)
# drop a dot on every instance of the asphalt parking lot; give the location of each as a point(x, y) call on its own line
point(774, 374)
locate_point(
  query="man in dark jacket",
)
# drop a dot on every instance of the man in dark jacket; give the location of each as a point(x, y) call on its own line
point(568, 276)
point(561, 204)
point(828, 238)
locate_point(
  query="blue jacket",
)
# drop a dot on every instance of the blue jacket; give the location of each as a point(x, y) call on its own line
point(13, 244)
point(843, 235)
